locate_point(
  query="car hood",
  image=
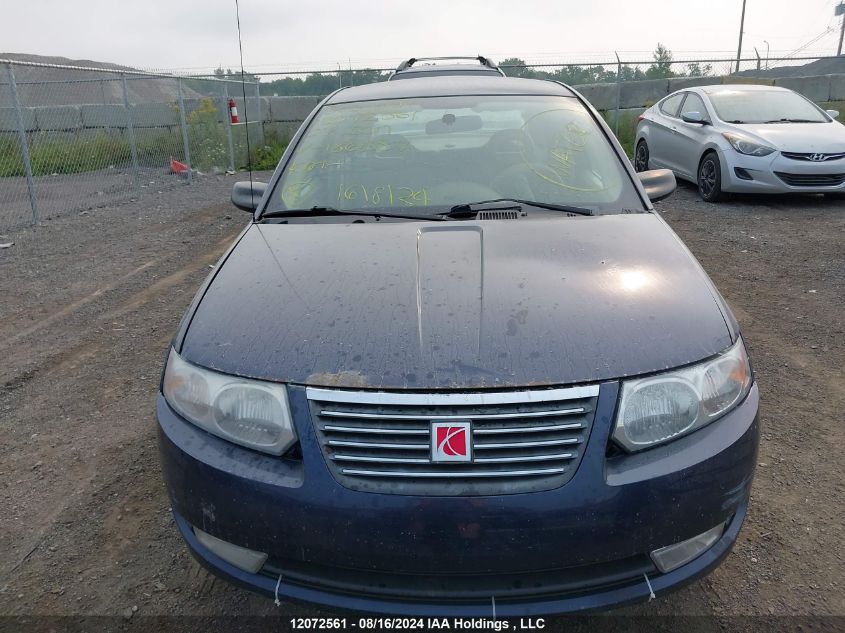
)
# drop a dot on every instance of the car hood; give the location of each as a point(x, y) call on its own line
point(424, 305)
point(826, 138)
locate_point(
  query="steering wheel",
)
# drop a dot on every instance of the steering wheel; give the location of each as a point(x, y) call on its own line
point(512, 141)
point(458, 191)
point(525, 180)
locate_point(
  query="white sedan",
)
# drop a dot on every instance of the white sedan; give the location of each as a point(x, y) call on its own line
point(743, 138)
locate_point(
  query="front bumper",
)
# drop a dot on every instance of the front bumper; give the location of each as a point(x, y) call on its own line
point(762, 170)
point(581, 547)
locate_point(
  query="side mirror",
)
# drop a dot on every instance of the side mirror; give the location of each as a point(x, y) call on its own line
point(833, 114)
point(246, 195)
point(658, 183)
point(693, 117)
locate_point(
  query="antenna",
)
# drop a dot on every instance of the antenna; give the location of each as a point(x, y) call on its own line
point(246, 110)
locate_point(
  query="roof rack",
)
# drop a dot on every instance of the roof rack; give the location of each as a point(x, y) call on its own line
point(484, 61)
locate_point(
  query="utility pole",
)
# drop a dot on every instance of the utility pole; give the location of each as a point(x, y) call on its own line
point(840, 10)
point(741, 28)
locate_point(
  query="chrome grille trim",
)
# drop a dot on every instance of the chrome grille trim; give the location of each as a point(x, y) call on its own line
point(529, 429)
point(520, 441)
point(367, 429)
point(808, 156)
point(441, 474)
point(461, 399)
point(380, 460)
point(488, 416)
point(530, 458)
point(407, 447)
point(571, 440)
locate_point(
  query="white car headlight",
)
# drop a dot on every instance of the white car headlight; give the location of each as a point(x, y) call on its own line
point(251, 413)
point(746, 146)
point(660, 408)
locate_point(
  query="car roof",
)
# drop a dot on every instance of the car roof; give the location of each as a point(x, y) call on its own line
point(447, 86)
point(463, 68)
point(740, 88)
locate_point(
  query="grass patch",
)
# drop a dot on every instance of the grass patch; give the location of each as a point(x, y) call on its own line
point(49, 154)
point(72, 154)
point(627, 133)
point(266, 157)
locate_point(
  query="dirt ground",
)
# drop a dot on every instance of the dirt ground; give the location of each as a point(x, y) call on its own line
point(61, 194)
point(89, 302)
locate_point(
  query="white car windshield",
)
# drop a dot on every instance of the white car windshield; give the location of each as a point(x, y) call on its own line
point(435, 152)
point(765, 106)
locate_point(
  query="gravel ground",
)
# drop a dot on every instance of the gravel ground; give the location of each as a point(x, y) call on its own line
point(88, 304)
point(65, 194)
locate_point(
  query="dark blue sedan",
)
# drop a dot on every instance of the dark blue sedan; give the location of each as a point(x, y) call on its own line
point(457, 365)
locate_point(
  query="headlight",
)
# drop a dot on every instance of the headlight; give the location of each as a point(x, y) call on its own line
point(746, 146)
point(247, 412)
point(661, 408)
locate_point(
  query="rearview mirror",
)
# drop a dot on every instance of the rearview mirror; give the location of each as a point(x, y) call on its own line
point(246, 195)
point(658, 183)
point(451, 123)
point(693, 117)
point(833, 114)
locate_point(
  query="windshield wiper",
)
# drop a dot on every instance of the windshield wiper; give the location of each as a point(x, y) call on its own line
point(326, 211)
point(792, 121)
point(472, 208)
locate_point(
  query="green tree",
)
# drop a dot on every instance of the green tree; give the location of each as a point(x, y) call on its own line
point(516, 67)
point(662, 66)
point(695, 69)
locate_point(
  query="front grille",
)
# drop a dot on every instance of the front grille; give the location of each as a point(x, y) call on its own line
point(815, 157)
point(811, 180)
point(463, 588)
point(520, 441)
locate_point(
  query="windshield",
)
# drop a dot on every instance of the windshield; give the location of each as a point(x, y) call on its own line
point(433, 153)
point(763, 106)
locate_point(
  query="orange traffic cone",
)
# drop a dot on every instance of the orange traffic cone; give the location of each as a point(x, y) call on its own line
point(176, 167)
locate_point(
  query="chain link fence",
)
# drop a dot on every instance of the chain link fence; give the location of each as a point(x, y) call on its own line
point(73, 138)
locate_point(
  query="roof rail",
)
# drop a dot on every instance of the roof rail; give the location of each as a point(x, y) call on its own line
point(484, 61)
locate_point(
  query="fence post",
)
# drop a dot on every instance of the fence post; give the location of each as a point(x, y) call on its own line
point(618, 95)
point(229, 126)
point(184, 125)
point(259, 118)
point(27, 165)
point(130, 132)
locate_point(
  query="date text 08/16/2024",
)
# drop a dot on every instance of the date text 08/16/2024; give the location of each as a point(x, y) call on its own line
point(411, 624)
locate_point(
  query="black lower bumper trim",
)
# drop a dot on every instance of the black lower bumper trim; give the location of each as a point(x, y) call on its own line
point(463, 588)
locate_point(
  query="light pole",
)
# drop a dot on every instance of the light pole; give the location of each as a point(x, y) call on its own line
point(840, 10)
point(767, 53)
point(741, 28)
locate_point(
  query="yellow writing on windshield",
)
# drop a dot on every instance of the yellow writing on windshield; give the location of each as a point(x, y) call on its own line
point(297, 166)
point(295, 192)
point(563, 166)
point(384, 195)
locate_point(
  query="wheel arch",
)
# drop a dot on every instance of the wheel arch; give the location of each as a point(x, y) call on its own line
point(642, 134)
point(713, 148)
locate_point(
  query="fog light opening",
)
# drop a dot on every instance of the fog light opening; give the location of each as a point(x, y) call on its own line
point(246, 559)
point(743, 173)
point(673, 556)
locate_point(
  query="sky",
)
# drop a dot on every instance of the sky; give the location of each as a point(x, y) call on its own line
point(199, 35)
